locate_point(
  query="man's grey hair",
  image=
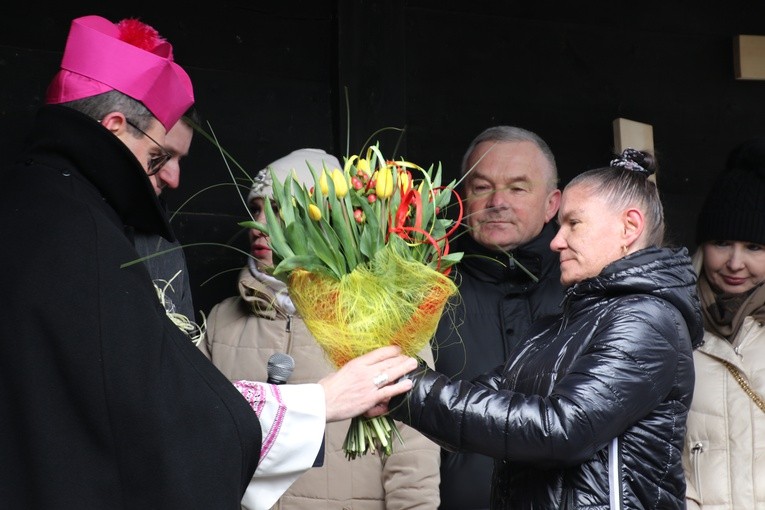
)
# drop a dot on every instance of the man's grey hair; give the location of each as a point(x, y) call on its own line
point(100, 105)
point(512, 134)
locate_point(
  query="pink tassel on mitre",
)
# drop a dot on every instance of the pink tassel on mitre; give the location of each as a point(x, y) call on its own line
point(139, 34)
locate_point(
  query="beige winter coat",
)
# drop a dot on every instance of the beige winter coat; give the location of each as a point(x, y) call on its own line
point(242, 333)
point(722, 474)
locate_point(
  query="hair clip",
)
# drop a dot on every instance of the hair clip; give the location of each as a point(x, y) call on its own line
point(627, 160)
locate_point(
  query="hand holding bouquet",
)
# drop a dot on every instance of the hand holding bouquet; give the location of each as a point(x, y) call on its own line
point(365, 254)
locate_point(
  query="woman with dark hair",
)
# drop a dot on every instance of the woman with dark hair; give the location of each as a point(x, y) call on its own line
point(724, 454)
point(589, 411)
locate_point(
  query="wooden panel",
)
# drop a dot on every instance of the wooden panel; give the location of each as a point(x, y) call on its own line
point(749, 57)
point(630, 133)
point(633, 134)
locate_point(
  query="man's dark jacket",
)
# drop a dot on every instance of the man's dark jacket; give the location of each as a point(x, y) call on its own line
point(167, 268)
point(617, 363)
point(104, 403)
point(497, 303)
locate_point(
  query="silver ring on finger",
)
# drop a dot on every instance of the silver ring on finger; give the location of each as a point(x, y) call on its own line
point(380, 379)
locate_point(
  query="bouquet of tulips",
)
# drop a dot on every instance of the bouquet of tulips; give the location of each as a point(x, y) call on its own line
point(365, 254)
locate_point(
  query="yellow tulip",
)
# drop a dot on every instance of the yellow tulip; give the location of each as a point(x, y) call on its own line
point(341, 185)
point(363, 165)
point(404, 181)
point(314, 212)
point(384, 183)
point(323, 183)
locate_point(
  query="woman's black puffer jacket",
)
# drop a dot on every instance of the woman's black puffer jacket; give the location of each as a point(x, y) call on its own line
point(616, 363)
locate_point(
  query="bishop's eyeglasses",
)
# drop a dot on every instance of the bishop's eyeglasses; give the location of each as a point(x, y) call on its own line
point(155, 162)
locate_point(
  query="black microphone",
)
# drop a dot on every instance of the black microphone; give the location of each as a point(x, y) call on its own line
point(279, 368)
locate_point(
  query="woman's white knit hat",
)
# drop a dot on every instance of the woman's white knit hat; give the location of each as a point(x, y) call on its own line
point(297, 162)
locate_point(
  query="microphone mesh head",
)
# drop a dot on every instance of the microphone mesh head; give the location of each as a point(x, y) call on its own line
point(280, 367)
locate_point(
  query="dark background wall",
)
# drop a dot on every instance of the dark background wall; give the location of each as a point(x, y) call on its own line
point(271, 77)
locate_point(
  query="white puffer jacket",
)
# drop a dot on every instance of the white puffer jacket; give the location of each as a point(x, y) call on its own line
point(723, 474)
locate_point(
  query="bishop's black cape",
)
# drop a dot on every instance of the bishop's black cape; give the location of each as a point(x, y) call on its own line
point(104, 403)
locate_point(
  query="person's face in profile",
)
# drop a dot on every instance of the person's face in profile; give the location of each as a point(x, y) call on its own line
point(177, 144)
point(590, 235)
point(146, 144)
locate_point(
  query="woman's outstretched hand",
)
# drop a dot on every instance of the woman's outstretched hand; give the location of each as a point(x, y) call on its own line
point(365, 384)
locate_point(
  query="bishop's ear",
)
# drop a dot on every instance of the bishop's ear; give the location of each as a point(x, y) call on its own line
point(114, 121)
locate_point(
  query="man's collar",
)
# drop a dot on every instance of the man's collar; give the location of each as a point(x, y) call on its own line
point(105, 161)
point(534, 256)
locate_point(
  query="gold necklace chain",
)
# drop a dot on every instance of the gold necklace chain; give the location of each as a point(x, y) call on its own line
point(745, 386)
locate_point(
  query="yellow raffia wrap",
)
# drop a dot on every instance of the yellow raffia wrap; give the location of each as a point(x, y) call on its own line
point(388, 301)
